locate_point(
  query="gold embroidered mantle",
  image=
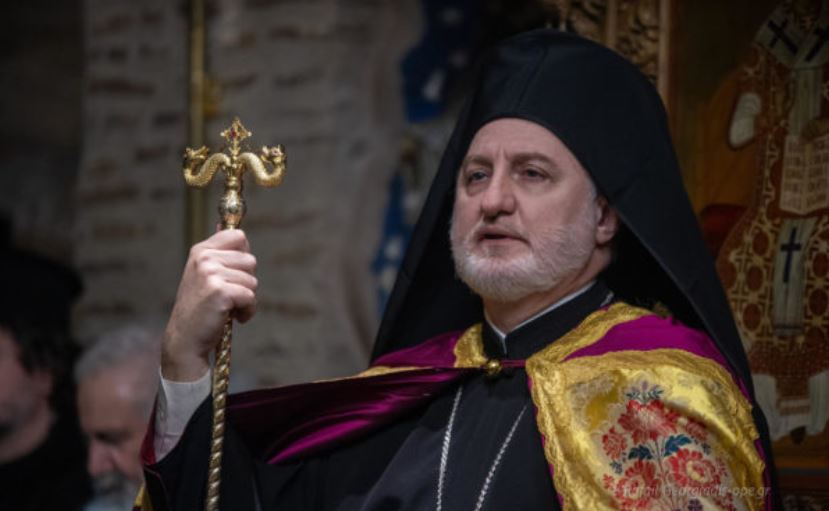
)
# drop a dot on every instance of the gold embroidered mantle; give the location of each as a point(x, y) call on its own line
point(660, 429)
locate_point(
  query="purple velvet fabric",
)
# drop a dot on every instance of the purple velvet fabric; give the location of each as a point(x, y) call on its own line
point(299, 420)
point(284, 423)
point(436, 352)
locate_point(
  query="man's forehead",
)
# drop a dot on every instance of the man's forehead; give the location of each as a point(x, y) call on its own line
point(520, 140)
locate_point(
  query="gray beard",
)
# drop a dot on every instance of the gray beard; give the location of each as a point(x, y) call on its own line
point(112, 491)
point(555, 255)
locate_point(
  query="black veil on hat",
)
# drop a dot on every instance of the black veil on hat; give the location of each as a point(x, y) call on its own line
point(612, 119)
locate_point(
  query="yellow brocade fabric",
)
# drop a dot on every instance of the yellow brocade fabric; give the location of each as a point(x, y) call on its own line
point(142, 500)
point(469, 350)
point(647, 430)
point(659, 430)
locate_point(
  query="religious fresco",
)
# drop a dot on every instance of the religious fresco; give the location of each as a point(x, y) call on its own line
point(752, 131)
point(774, 263)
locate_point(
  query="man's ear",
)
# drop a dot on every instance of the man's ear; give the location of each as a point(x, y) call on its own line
point(608, 222)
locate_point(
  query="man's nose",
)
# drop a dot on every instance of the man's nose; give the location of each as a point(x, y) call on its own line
point(99, 461)
point(499, 197)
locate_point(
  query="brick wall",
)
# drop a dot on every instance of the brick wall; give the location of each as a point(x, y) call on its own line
point(129, 201)
point(320, 77)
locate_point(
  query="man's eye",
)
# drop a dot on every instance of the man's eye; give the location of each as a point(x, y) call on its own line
point(478, 175)
point(111, 438)
point(534, 173)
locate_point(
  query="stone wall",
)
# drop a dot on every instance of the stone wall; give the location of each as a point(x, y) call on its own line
point(40, 97)
point(320, 77)
point(129, 202)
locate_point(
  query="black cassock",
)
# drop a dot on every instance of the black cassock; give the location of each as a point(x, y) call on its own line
point(53, 476)
point(493, 455)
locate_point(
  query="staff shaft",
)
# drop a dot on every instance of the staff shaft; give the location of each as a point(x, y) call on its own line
point(221, 378)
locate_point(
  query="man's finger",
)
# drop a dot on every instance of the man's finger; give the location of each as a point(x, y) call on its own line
point(227, 258)
point(239, 278)
point(243, 300)
point(229, 239)
point(243, 315)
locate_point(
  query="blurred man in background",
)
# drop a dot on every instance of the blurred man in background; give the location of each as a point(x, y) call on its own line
point(42, 454)
point(117, 379)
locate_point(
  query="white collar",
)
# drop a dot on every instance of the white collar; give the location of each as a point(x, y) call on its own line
point(575, 294)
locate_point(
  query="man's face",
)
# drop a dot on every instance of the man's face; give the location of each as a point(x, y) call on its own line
point(115, 427)
point(22, 393)
point(525, 212)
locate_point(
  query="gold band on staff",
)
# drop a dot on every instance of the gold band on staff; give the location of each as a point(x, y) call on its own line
point(199, 168)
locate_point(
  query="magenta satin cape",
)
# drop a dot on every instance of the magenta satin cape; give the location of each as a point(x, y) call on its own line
point(284, 423)
point(287, 423)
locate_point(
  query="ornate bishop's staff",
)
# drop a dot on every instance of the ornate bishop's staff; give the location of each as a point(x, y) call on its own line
point(198, 171)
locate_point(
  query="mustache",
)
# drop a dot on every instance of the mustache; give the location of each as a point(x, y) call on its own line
point(483, 229)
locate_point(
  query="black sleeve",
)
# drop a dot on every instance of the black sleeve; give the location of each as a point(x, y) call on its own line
point(179, 481)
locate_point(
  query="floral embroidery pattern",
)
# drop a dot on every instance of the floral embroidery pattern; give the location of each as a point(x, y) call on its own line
point(660, 459)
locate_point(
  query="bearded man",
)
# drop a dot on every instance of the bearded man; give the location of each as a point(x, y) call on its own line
point(511, 369)
point(117, 379)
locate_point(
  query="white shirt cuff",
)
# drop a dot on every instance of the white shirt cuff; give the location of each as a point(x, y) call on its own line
point(177, 402)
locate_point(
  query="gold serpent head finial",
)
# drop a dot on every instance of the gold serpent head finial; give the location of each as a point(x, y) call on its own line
point(193, 157)
point(274, 155)
point(200, 167)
